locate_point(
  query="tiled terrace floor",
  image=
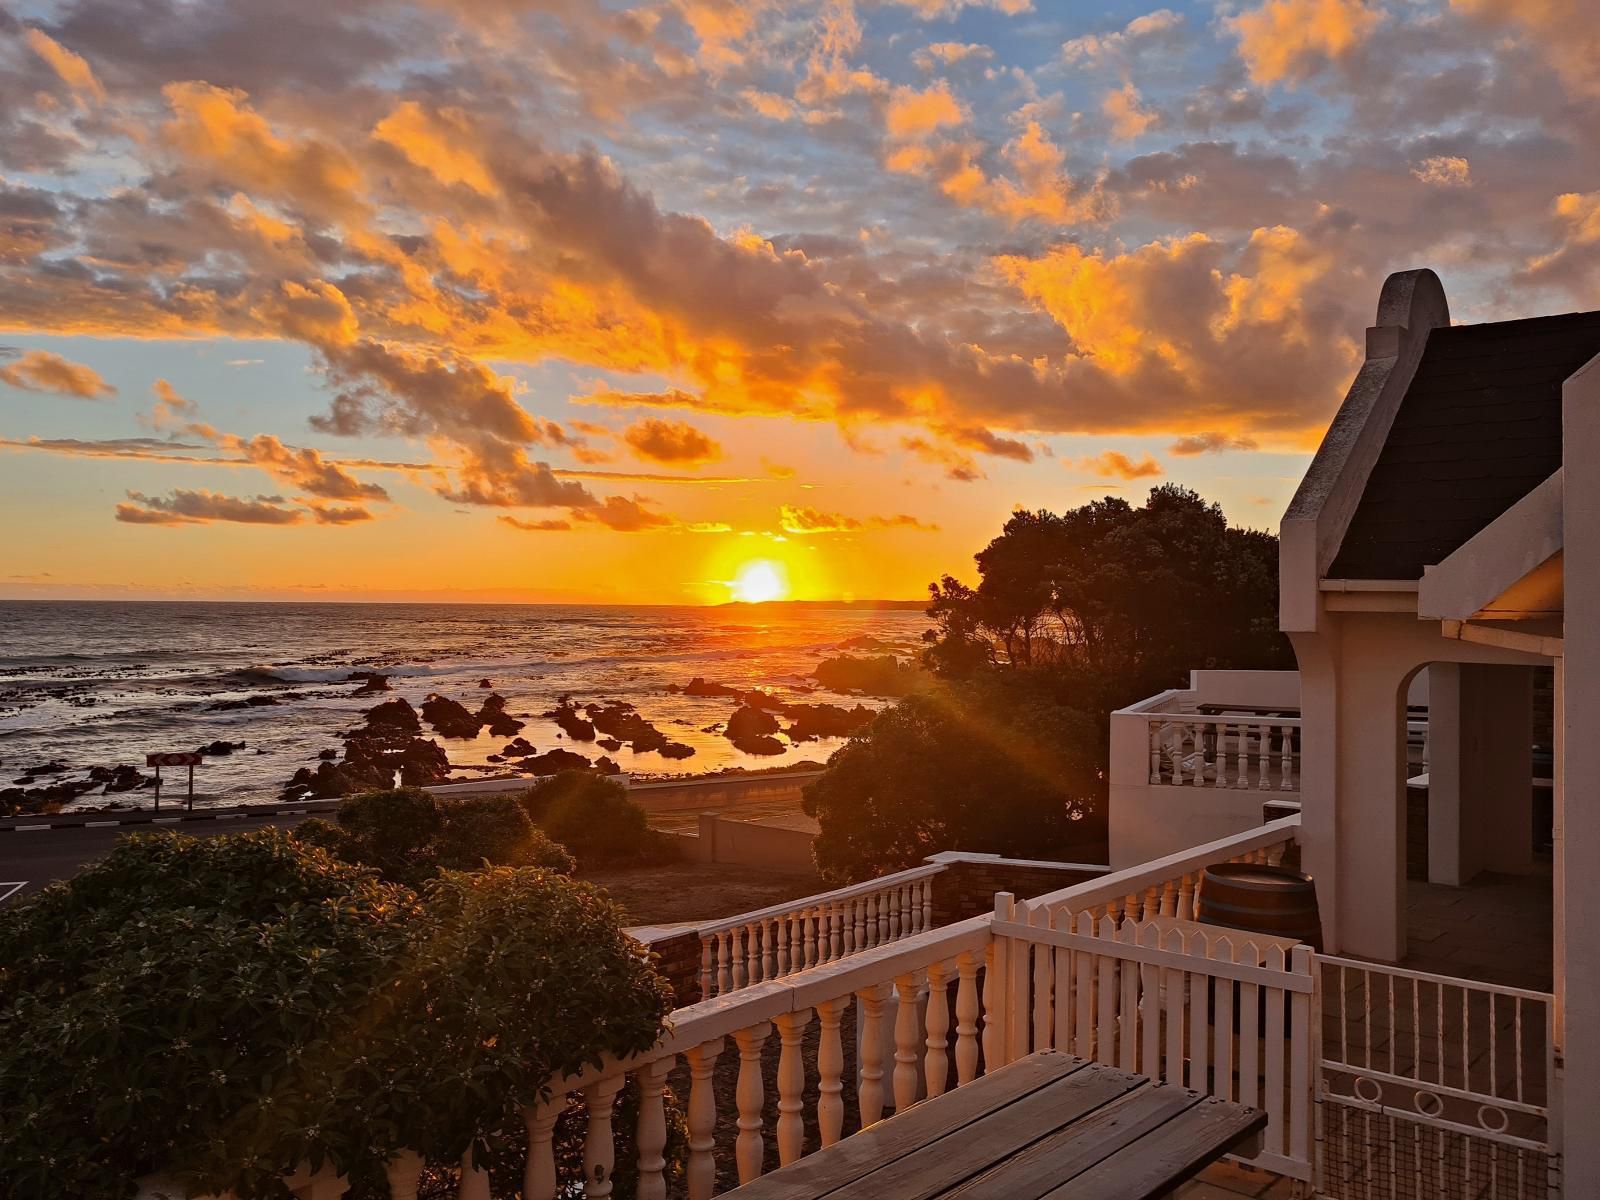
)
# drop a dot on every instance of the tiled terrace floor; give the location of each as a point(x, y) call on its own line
point(1496, 929)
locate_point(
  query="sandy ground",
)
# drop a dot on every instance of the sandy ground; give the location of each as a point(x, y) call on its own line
point(699, 891)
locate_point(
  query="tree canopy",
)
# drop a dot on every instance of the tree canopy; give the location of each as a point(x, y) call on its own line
point(1122, 600)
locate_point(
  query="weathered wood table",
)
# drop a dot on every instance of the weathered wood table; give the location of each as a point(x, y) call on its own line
point(1049, 1125)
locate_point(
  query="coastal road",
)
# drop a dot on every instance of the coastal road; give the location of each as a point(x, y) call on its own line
point(31, 858)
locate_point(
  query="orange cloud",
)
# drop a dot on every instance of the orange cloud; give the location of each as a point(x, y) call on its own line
point(1288, 40)
point(439, 142)
point(1210, 443)
point(915, 113)
point(670, 442)
point(1125, 109)
point(303, 468)
point(1564, 30)
point(799, 519)
point(1113, 464)
point(182, 507)
point(42, 371)
point(73, 69)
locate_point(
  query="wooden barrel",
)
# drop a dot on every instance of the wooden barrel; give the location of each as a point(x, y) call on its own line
point(1261, 899)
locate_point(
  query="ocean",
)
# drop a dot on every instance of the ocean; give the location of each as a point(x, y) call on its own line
point(101, 684)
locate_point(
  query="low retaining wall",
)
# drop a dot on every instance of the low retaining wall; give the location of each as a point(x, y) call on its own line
point(753, 844)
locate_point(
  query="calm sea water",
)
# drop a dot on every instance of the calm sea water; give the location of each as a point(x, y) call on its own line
point(104, 683)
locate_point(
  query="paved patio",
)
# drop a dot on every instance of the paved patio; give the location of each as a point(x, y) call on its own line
point(1496, 929)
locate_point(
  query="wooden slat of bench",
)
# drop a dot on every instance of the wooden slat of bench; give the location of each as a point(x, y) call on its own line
point(1168, 1156)
point(1068, 1152)
point(905, 1133)
point(993, 1139)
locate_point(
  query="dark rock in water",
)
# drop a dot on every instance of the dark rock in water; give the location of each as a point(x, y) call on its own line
point(17, 802)
point(484, 683)
point(388, 746)
point(605, 766)
point(328, 755)
point(494, 758)
point(493, 714)
point(517, 748)
point(863, 642)
point(248, 702)
point(565, 714)
point(700, 686)
point(609, 743)
point(394, 716)
point(122, 778)
point(750, 722)
point(881, 676)
point(371, 682)
point(449, 717)
point(760, 744)
point(219, 748)
point(812, 721)
point(677, 750)
point(552, 762)
point(54, 767)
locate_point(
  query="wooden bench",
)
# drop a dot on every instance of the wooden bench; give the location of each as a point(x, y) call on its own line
point(1049, 1125)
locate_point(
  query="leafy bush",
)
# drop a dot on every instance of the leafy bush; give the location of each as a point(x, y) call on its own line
point(593, 817)
point(408, 835)
point(222, 1009)
point(992, 767)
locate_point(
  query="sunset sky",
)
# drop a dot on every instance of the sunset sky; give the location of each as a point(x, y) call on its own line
point(568, 301)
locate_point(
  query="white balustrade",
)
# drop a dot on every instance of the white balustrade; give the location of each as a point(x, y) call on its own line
point(773, 942)
point(1242, 752)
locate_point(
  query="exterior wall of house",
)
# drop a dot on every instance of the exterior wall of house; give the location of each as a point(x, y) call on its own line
point(1577, 765)
point(1355, 675)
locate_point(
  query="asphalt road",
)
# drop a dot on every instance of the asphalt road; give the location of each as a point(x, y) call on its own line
point(31, 858)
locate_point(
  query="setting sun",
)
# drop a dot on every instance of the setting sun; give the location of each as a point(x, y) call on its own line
point(760, 581)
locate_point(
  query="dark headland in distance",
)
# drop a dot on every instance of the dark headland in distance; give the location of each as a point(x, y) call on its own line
point(791, 605)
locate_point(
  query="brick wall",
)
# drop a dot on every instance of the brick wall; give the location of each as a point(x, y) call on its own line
point(678, 958)
point(968, 883)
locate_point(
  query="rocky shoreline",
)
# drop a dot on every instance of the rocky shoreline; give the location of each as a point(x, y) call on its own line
point(392, 744)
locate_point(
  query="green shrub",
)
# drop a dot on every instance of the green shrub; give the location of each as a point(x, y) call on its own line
point(221, 1009)
point(409, 836)
point(495, 830)
point(593, 817)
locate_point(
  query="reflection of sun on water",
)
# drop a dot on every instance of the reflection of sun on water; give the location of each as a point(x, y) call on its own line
point(759, 581)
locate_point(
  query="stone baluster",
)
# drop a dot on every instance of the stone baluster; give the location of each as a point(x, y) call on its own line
point(1241, 756)
point(1154, 730)
point(808, 922)
point(749, 1148)
point(701, 1173)
point(852, 926)
point(936, 1065)
point(740, 973)
point(651, 1135)
point(474, 1181)
point(966, 1018)
point(780, 930)
point(1289, 781)
point(830, 1070)
point(599, 1142)
point(791, 1085)
point(404, 1173)
point(1169, 898)
point(885, 903)
point(753, 950)
point(1178, 734)
point(769, 958)
point(894, 914)
point(871, 927)
point(869, 1050)
point(1264, 758)
point(907, 1041)
point(797, 949)
point(708, 978)
point(1186, 896)
point(837, 919)
point(539, 1174)
point(724, 964)
point(927, 903)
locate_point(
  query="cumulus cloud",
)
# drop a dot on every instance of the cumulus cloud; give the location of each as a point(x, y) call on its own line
point(1153, 29)
point(1444, 170)
point(42, 371)
point(1290, 40)
point(1125, 109)
point(1113, 464)
point(182, 507)
point(548, 525)
point(947, 54)
point(302, 468)
point(339, 514)
point(670, 442)
point(72, 68)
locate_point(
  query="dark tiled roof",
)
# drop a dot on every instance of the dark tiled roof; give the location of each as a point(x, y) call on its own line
point(1479, 428)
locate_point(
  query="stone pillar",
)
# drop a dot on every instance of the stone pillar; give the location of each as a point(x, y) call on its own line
point(706, 849)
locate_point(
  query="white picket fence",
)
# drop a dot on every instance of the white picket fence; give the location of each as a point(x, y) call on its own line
point(1222, 1013)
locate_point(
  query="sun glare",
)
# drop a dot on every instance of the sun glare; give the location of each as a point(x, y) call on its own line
point(759, 581)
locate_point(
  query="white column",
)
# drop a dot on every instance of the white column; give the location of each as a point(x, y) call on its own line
point(539, 1176)
point(701, 1174)
point(869, 1052)
point(749, 1148)
point(600, 1143)
point(830, 1070)
point(907, 1041)
point(651, 1136)
point(791, 1085)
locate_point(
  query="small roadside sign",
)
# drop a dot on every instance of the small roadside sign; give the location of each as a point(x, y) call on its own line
point(188, 759)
